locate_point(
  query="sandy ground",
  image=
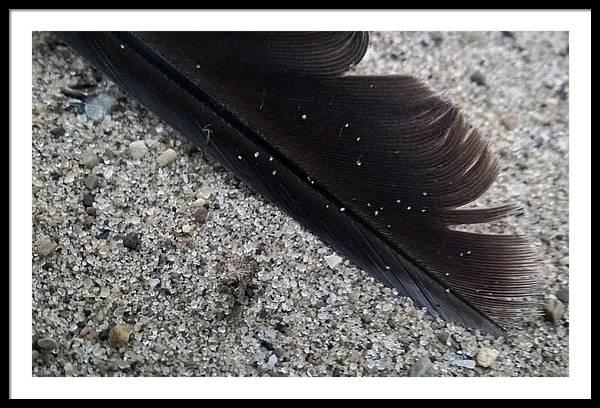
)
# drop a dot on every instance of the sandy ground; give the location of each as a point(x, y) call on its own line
point(129, 280)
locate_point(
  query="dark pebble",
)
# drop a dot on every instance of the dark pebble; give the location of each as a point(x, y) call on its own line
point(88, 200)
point(200, 215)
point(478, 79)
point(563, 294)
point(104, 234)
point(91, 211)
point(508, 34)
point(57, 132)
point(132, 241)
point(267, 345)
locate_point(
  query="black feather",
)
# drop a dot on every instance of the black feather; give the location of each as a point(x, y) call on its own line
point(377, 166)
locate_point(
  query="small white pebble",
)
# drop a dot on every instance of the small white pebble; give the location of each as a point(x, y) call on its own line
point(333, 260)
point(166, 157)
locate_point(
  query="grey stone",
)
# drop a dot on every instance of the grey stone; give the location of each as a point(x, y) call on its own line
point(47, 343)
point(137, 149)
point(554, 311)
point(89, 159)
point(45, 247)
point(91, 181)
point(421, 368)
point(563, 294)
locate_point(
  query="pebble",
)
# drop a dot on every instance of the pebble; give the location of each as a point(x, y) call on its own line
point(89, 220)
point(333, 260)
point(563, 294)
point(87, 333)
point(445, 338)
point(96, 107)
point(422, 368)
point(486, 356)
point(118, 336)
point(88, 199)
point(200, 215)
point(437, 38)
point(34, 355)
point(105, 292)
point(470, 364)
point(201, 202)
point(132, 241)
point(137, 149)
point(554, 311)
point(47, 343)
point(166, 157)
point(564, 261)
point(272, 361)
point(45, 247)
point(205, 192)
point(478, 78)
point(91, 181)
point(89, 159)
point(509, 122)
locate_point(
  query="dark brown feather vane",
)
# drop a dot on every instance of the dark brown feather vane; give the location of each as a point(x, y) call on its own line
point(378, 166)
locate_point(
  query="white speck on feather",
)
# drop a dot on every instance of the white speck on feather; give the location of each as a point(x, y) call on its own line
point(409, 208)
point(274, 172)
point(270, 158)
point(256, 154)
point(304, 117)
point(343, 209)
point(122, 47)
point(239, 157)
